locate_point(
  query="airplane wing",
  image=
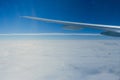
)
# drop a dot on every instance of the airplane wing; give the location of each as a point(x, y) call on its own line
point(109, 29)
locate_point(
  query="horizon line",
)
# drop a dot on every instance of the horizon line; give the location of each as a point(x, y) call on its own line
point(49, 34)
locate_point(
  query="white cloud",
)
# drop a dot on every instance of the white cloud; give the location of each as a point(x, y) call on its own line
point(103, 76)
point(59, 60)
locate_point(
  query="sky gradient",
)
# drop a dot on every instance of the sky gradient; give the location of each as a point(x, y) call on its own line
point(89, 11)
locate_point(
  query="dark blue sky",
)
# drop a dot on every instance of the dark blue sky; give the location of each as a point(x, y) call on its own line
point(89, 11)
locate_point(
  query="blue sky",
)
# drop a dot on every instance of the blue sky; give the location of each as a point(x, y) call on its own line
point(89, 11)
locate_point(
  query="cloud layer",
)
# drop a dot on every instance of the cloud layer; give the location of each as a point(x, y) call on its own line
point(59, 60)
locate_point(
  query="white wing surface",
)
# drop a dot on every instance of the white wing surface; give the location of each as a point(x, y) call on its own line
point(110, 30)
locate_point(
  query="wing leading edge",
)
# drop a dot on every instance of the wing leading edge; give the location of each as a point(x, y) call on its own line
point(106, 28)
